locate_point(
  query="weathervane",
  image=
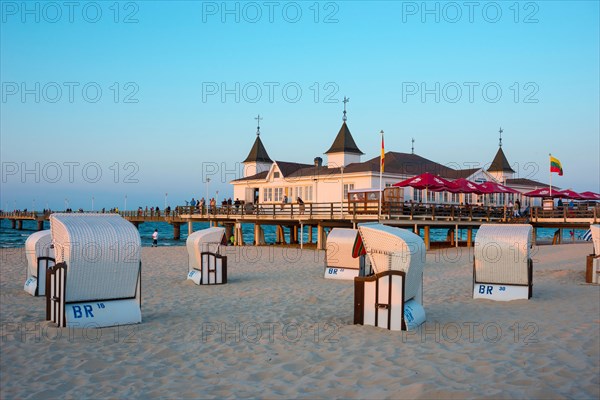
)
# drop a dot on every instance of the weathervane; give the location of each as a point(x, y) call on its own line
point(500, 131)
point(258, 125)
point(413, 145)
point(346, 100)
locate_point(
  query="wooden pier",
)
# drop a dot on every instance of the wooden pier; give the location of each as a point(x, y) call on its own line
point(324, 216)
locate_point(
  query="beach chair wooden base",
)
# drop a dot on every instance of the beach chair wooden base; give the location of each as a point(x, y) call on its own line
point(36, 286)
point(379, 301)
point(213, 270)
point(504, 291)
point(96, 313)
point(592, 270)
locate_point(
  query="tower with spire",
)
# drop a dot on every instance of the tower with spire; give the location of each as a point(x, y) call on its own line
point(258, 160)
point(344, 150)
point(500, 168)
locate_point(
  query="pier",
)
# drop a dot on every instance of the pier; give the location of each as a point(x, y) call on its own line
point(325, 216)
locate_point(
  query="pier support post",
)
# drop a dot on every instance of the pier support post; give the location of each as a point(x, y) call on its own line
point(239, 237)
point(40, 225)
point(176, 230)
point(294, 234)
point(427, 242)
point(13, 224)
point(20, 224)
point(259, 235)
point(534, 236)
point(416, 229)
point(190, 227)
point(320, 237)
point(310, 234)
point(469, 237)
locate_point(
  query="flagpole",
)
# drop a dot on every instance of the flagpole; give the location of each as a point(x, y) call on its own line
point(550, 159)
point(380, 175)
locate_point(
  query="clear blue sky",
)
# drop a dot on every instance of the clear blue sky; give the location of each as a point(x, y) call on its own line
point(161, 121)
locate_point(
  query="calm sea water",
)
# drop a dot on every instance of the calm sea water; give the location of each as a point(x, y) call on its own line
point(14, 238)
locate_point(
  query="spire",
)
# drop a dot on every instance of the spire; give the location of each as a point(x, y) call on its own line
point(413, 145)
point(258, 125)
point(500, 132)
point(500, 163)
point(258, 153)
point(346, 100)
point(344, 142)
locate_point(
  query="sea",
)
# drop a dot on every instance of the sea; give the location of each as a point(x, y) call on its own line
point(13, 238)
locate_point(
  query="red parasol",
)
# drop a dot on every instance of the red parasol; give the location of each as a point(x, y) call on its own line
point(545, 192)
point(493, 187)
point(463, 185)
point(426, 181)
point(569, 194)
point(590, 196)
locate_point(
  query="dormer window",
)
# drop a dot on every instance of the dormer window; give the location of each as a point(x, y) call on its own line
point(276, 175)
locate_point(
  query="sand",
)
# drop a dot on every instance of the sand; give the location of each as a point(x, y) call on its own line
point(279, 330)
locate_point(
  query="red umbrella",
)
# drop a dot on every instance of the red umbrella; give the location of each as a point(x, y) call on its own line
point(426, 181)
point(569, 194)
point(463, 185)
point(493, 187)
point(590, 196)
point(545, 192)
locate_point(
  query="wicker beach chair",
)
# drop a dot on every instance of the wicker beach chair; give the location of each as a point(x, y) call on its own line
point(502, 267)
point(339, 263)
point(392, 297)
point(96, 281)
point(592, 274)
point(39, 252)
point(206, 264)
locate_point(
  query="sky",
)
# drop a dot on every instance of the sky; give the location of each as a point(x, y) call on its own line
point(126, 104)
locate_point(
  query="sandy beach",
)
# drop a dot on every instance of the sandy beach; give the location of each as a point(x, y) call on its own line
point(279, 330)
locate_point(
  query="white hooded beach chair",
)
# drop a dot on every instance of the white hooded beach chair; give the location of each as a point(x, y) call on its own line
point(392, 297)
point(207, 265)
point(339, 263)
point(502, 268)
point(593, 260)
point(96, 281)
point(39, 252)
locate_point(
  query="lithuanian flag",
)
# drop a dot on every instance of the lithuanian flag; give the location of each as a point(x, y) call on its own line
point(555, 166)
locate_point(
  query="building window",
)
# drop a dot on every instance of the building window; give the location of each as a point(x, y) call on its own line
point(276, 175)
point(308, 193)
point(267, 195)
point(297, 192)
point(417, 195)
point(445, 197)
point(278, 194)
point(347, 187)
point(430, 196)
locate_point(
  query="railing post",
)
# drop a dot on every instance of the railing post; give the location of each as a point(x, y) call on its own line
point(291, 210)
point(273, 210)
point(331, 211)
point(311, 209)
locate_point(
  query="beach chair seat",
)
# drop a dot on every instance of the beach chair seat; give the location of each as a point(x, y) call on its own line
point(592, 274)
point(392, 297)
point(339, 263)
point(502, 266)
point(96, 281)
point(206, 263)
point(39, 252)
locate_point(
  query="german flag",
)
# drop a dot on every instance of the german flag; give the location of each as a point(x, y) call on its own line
point(359, 248)
point(556, 166)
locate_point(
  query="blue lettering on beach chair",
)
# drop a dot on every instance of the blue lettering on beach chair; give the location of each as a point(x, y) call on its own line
point(489, 289)
point(76, 312)
point(88, 311)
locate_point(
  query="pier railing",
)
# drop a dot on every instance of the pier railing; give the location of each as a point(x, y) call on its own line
point(344, 211)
